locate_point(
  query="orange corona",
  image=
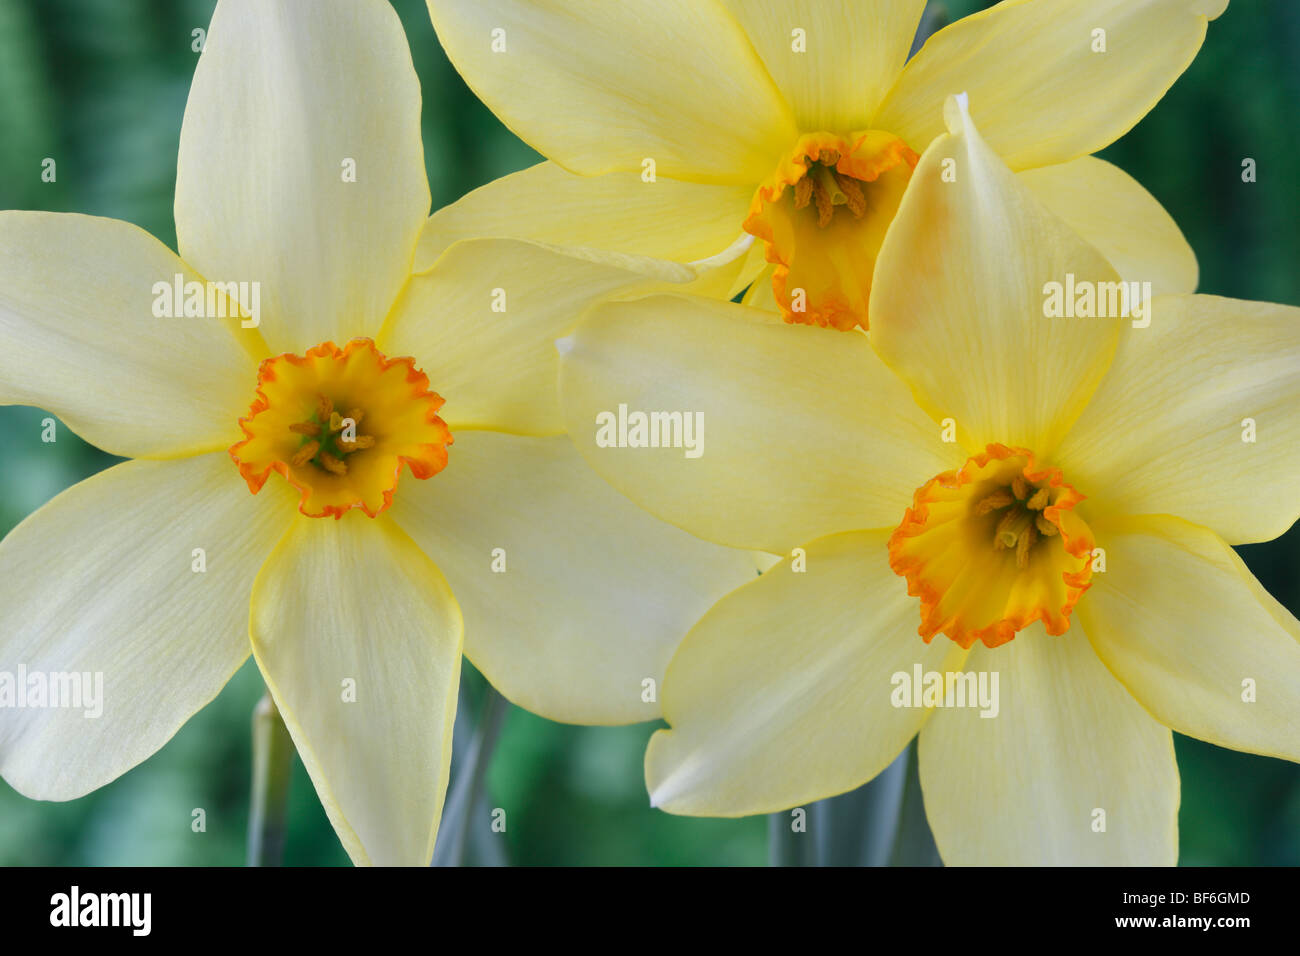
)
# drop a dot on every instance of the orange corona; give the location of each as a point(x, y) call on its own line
point(823, 215)
point(993, 547)
point(339, 424)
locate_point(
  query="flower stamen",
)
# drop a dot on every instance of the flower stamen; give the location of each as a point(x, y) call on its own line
point(295, 427)
point(993, 547)
point(824, 262)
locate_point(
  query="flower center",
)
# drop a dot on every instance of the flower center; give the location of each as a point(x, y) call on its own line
point(297, 427)
point(993, 547)
point(822, 216)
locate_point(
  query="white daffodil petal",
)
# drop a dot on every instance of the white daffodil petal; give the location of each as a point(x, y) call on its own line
point(1124, 222)
point(787, 690)
point(961, 306)
point(359, 639)
point(81, 335)
point(1184, 624)
point(130, 591)
point(599, 87)
point(1071, 771)
point(574, 599)
point(1050, 80)
point(1197, 418)
point(834, 62)
point(768, 462)
point(483, 323)
point(301, 166)
point(619, 212)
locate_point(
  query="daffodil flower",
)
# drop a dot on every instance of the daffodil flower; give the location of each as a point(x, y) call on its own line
point(268, 496)
point(674, 126)
point(1048, 500)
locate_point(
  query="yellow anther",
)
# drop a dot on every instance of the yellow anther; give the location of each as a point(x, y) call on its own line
point(999, 499)
point(825, 205)
point(1027, 539)
point(305, 454)
point(1045, 527)
point(854, 197)
point(336, 422)
point(306, 428)
point(324, 407)
point(1020, 487)
point(803, 191)
point(333, 465)
point(1039, 501)
point(356, 444)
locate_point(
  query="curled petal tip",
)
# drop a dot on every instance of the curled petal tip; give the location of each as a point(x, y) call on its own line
point(956, 109)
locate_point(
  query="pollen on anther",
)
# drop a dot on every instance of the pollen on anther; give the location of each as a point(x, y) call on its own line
point(1027, 539)
point(306, 453)
point(999, 499)
point(332, 464)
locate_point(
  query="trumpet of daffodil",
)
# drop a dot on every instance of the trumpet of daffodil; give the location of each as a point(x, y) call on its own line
point(998, 503)
point(673, 127)
point(355, 466)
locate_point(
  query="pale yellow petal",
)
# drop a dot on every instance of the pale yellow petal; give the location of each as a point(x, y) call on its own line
point(483, 323)
point(301, 165)
point(1198, 418)
point(1184, 624)
point(797, 431)
point(129, 591)
point(833, 60)
point(1040, 86)
point(959, 304)
point(1071, 772)
point(81, 335)
point(617, 212)
point(1124, 222)
point(599, 87)
point(787, 690)
point(574, 599)
point(359, 638)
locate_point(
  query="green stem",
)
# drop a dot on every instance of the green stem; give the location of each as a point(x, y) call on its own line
point(858, 828)
point(272, 762)
point(915, 843)
point(933, 20)
point(469, 775)
point(787, 846)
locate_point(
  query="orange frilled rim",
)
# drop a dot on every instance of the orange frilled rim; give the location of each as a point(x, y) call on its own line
point(400, 415)
point(972, 592)
point(832, 264)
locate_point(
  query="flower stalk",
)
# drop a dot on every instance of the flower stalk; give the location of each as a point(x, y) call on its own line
point(469, 773)
point(272, 762)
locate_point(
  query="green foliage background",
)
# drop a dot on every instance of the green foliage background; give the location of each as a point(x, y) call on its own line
point(100, 85)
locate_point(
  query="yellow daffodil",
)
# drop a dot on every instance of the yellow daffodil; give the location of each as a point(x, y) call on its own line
point(273, 383)
point(673, 127)
point(1042, 504)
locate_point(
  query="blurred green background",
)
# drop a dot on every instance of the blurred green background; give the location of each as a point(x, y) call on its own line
point(100, 85)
